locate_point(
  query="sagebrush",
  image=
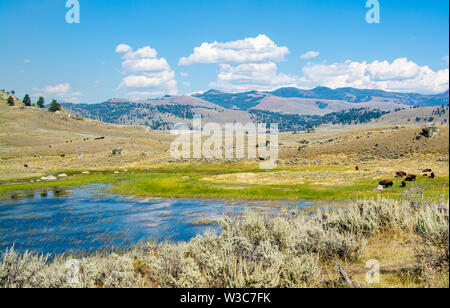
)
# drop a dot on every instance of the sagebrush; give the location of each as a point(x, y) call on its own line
point(252, 251)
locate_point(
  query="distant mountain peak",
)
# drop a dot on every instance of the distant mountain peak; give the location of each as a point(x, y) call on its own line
point(117, 100)
point(213, 92)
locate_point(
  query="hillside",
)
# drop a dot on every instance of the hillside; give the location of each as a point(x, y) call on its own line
point(33, 140)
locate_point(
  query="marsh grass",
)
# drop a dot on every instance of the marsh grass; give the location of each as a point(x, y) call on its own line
point(189, 181)
point(291, 249)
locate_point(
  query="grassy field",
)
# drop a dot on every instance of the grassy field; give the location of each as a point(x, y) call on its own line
point(312, 166)
point(228, 182)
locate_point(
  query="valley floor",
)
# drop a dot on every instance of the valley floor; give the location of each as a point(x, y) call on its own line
point(312, 166)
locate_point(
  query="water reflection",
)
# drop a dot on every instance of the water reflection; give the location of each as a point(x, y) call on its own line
point(88, 219)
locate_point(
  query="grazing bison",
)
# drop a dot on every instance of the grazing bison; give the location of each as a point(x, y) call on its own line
point(427, 170)
point(386, 183)
point(400, 174)
point(403, 184)
point(432, 176)
point(410, 178)
point(357, 168)
point(116, 152)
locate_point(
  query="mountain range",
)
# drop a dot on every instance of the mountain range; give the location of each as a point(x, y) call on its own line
point(224, 107)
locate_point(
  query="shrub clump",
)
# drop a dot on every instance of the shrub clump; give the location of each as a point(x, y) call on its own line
point(432, 226)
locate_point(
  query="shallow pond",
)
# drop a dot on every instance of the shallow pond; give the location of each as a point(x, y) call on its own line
point(88, 218)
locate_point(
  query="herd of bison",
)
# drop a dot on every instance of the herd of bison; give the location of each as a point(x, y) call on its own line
point(406, 178)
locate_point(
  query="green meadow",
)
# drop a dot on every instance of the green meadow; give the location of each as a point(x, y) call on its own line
point(188, 181)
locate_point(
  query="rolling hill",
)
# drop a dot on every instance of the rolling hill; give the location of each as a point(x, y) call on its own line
point(301, 108)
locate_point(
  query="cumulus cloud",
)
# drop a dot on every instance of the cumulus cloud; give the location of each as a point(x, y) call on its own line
point(123, 48)
point(251, 64)
point(257, 49)
point(310, 55)
point(248, 64)
point(61, 91)
point(252, 76)
point(137, 65)
point(146, 72)
point(150, 80)
point(57, 89)
point(400, 75)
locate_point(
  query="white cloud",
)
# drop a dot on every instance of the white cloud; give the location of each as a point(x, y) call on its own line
point(57, 89)
point(146, 72)
point(136, 65)
point(400, 75)
point(247, 64)
point(258, 49)
point(123, 48)
point(148, 80)
point(310, 55)
point(252, 76)
point(61, 91)
point(142, 53)
point(250, 64)
point(184, 74)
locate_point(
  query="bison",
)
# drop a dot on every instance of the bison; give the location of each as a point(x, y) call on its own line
point(400, 174)
point(386, 183)
point(403, 184)
point(427, 170)
point(432, 176)
point(410, 177)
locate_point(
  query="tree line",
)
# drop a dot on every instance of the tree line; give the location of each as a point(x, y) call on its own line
point(53, 107)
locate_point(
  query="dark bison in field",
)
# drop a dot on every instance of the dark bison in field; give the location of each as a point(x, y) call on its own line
point(403, 184)
point(387, 183)
point(432, 176)
point(400, 174)
point(410, 177)
point(427, 170)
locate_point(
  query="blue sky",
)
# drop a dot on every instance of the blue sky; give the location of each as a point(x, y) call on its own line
point(259, 46)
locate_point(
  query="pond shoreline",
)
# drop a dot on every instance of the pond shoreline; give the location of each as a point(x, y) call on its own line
point(92, 217)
